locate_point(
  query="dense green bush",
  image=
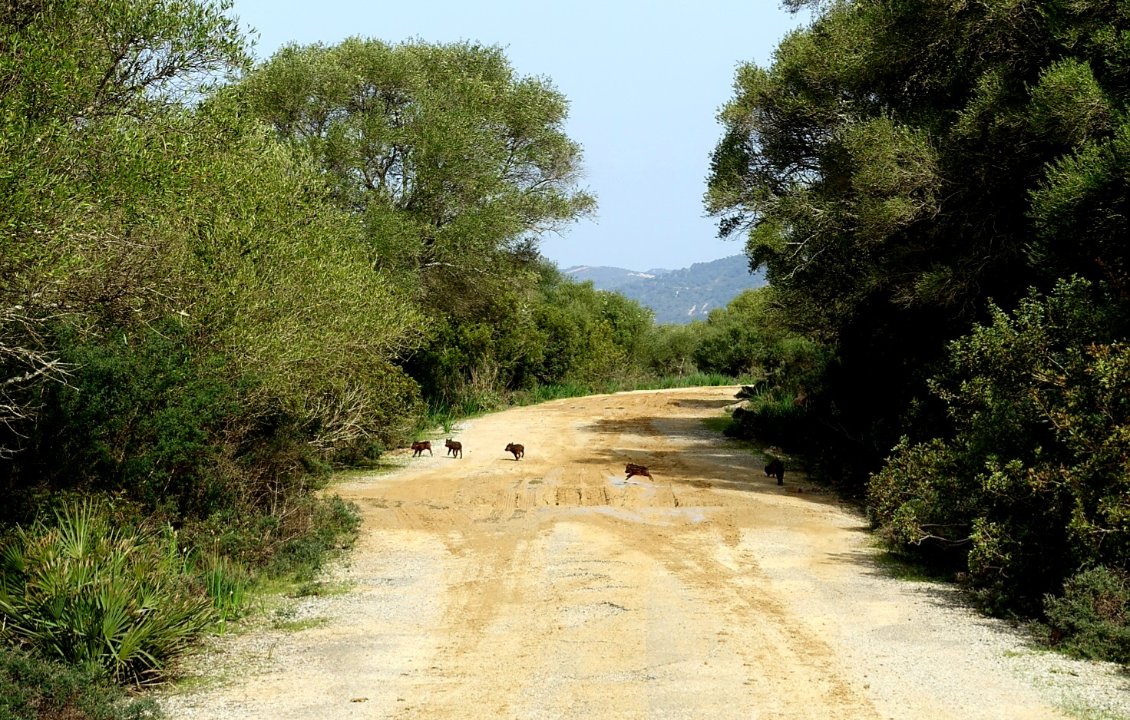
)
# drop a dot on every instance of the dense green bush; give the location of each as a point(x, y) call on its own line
point(669, 350)
point(752, 336)
point(93, 592)
point(772, 416)
point(467, 366)
point(330, 524)
point(32, 688)
point(1091, 619)
point(140, 413)
point(142, 416)
point(1034, 481)
point(898, 164)
point(591, 335)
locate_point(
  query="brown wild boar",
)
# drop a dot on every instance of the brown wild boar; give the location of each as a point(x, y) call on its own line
point(454, 447)
point(519, 451)
point(776, 468)
point(633, 469)
point(420, 446)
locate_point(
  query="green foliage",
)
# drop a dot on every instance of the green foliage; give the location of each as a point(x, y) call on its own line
point(228, 584)
point(1034, 481)
point(670, 349)
point(470, 364)
point(699, 380)
point(898, 169)
point(751, 336)
point(215, 323)
point(1092, 617)
point(92, 592)
point(209, 295)
point(123, 213)
point(290, 292)
point(86, 83)
point(95, 58)
point(32, 688)
point(556, 335)
point(919, 494)
point(900, 163)
point(454, 162)
point(589, 334)
point(453, 165)
point(140, 414)
point(330, 524)
point(772, 416)
point(1080, 209)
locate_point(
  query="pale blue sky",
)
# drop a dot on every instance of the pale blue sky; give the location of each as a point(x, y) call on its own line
point(644, 81)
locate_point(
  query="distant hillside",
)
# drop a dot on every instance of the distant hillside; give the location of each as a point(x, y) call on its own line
point(610, 278)
point(676, 296)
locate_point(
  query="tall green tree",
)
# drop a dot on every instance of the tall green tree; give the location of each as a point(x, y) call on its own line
point(750, 336)
point(899, 163)
point(939, 191)
point(147, 214)
point(455, 166)
point(456, 163)
point(590, 335)
point(75, 78)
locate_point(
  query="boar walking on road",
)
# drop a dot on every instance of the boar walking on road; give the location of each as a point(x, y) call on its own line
point(776, 468)
point(633, 469)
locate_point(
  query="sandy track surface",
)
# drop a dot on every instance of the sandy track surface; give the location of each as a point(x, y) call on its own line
point(550, 587)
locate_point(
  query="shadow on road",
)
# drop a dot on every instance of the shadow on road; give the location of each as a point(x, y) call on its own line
point(709, 457)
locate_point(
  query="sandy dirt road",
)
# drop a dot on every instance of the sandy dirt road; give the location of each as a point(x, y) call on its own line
point(551, 587)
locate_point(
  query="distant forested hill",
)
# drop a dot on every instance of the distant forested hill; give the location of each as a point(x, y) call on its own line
point(676, 296)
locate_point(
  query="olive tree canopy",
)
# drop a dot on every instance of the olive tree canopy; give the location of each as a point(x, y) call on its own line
point(455, 162)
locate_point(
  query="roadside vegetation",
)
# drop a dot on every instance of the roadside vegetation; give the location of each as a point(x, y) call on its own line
point(938, 192)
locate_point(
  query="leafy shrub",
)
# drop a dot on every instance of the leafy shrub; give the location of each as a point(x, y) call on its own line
point(141, 413)
point(144, 417)
point(751, 336)
point(669, 349)
point(918, 495)
point(331, 523)
point(32, 688)
point(1092, 617)
point(1032, 484)
point(772, 416)
point(91, 592)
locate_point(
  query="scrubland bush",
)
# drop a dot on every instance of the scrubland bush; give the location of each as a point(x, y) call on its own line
point(32, 688)
point(92, 592)
point(1091, 618)
point(1032, 484)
